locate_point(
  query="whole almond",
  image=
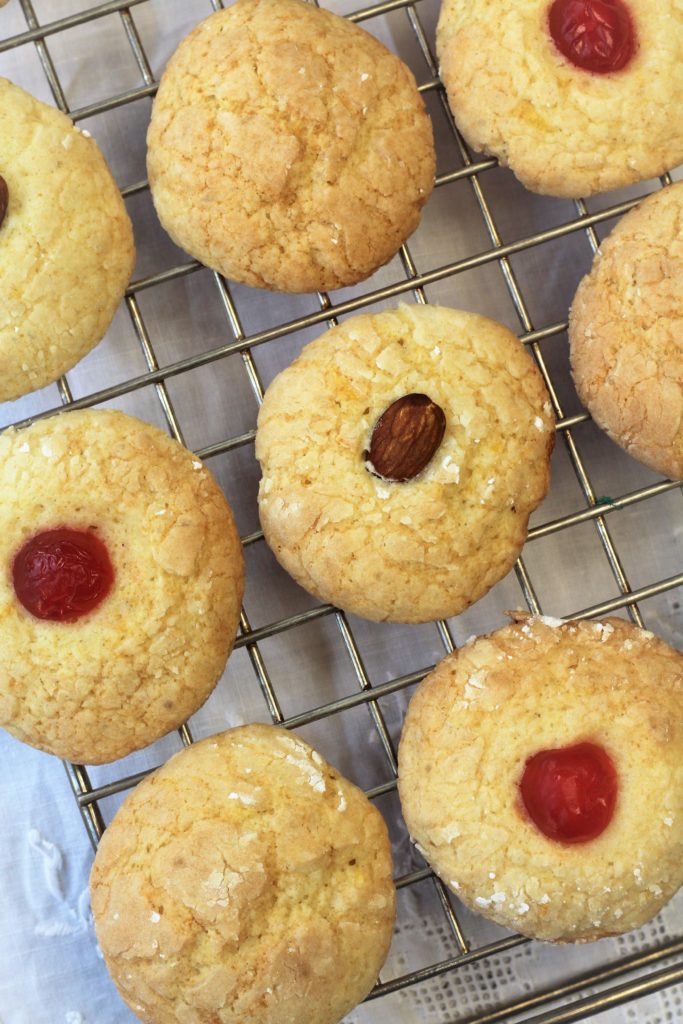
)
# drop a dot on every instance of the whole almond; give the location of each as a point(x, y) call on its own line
point(4, 199)
point(405, 438)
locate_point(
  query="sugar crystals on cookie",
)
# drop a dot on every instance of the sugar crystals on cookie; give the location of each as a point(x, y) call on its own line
point(575, 96)
point(288, 148)
point(541, 775)
point(263, 894)
point(66, 243)
point(625, 332)
point(402, 454)
point(121, 585)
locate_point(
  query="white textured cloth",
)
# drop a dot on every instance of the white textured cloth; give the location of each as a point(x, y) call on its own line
point(50, 971)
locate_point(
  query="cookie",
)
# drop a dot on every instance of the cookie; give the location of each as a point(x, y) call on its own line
point(288, 149)
point(541, 774)
point(66, 243)
point(402, 454)
point(121, 585)
point(243, 881)
point(625, 327)
point(575, 97)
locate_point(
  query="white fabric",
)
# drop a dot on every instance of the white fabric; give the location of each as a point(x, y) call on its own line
point(50, 970)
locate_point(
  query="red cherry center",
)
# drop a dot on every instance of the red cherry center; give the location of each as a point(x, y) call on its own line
point(595, 35)
point(62, 574)
point(570, 793)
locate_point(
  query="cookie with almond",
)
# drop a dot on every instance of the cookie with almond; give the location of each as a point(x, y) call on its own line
point(402, 454)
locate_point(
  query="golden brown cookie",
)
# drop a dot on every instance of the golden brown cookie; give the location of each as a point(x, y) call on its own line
point(541, 774)
point(288, 148)
point(66, 243)
point(246, 880)
point(575, 97)
point(402, 454)
point(625, 332)
point(121, 584)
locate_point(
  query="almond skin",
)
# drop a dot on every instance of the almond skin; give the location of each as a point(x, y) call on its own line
point(4, 199)
point(405, 438)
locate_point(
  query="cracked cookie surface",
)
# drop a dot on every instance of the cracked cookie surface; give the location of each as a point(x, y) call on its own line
point(625, 331)
point(288, 148)
point(561, 130)
point(244, 879)
point(429, 547)
point(537, 685)
point(150, 654)
point(66, 244)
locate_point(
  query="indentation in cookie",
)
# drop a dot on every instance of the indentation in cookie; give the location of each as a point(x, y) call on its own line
point(595, 35)
point(405, 438)
point(570, 793)
point(62, 574)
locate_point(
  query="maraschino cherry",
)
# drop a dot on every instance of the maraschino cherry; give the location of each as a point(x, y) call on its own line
point(570, 793)
point(595, 35)
point(62, 574)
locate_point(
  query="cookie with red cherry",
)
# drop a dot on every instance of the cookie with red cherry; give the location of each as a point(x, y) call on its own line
point(541, 775)
point(120, 586)
point(575, 96)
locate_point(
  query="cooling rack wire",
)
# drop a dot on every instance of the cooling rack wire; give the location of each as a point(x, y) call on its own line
point(650, 966)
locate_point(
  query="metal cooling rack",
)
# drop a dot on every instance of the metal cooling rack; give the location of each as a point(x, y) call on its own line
point(607, 985)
